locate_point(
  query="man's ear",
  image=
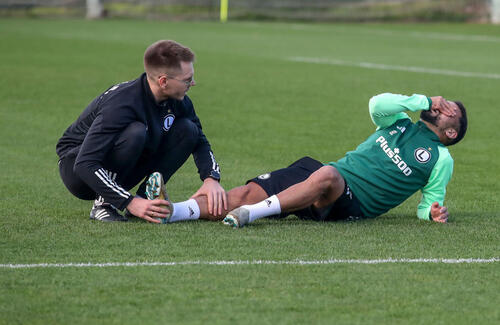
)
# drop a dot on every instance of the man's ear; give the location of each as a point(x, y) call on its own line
point(162, 81)
point(451, 133)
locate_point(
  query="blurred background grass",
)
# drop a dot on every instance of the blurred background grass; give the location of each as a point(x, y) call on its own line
point(262, 10)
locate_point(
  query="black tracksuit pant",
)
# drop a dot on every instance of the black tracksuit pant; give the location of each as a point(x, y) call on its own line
point(131, 163)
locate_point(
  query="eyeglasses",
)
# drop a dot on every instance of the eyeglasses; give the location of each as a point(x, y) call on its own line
point(186, 82)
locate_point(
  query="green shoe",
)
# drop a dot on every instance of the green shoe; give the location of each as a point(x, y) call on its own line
point(155, 189)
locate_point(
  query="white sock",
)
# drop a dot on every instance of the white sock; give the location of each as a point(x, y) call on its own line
point(268, 207)
point(187, 210)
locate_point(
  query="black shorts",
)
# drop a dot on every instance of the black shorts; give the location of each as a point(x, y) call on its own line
point(346, 207)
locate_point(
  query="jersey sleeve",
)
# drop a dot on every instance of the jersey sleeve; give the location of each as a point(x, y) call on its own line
point(386, 109)
point(435, 189)
point(203, 156)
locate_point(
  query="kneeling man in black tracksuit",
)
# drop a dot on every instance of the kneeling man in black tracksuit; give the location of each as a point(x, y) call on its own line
point(136, 128)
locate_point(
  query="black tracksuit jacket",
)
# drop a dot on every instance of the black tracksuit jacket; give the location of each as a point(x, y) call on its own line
point(93, 134)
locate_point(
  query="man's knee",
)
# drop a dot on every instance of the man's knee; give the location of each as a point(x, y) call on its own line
point(184, 129)
point(329, 185)
point(326, 177)
point(133, 137)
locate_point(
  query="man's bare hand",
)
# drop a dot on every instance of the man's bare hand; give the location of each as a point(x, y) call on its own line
point(149, 209)
point(439, 213)
point(444, 106)
point(216, 196)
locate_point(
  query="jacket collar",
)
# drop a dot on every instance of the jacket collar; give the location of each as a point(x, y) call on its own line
point(149, 93)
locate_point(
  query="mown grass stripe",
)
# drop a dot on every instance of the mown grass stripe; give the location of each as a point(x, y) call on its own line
point(259, 262)
point(379, 66)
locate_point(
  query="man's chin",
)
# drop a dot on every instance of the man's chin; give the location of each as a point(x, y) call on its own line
point(178, 98)
point(427, 117)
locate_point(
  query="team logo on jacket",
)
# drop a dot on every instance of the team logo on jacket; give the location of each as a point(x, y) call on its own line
point(168, 121)
point(422, 155)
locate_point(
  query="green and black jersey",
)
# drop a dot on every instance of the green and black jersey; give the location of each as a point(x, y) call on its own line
point(399, 159)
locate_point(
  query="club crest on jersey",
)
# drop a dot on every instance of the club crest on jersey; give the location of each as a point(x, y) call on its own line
point(422, 155)
point(168, 121)
point(264, 176)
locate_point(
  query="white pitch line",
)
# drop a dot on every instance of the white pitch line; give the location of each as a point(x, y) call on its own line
point(378, 66)
point(258, 262)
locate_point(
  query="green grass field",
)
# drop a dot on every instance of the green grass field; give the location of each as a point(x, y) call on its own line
point(261, 110)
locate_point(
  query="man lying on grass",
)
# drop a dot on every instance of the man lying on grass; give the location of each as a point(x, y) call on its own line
point(397, 160)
